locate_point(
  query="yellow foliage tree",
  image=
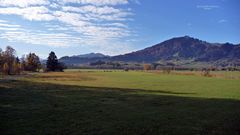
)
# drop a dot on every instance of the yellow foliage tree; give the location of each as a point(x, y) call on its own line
point(6, 69)
point(16, 68)
point(147, 67)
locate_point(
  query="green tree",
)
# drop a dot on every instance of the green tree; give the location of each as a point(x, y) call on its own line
point(52, 62)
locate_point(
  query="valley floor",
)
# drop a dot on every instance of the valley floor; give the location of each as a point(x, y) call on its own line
point(118, 102)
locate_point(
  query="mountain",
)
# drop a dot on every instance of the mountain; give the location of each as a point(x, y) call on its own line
point(180, 49)
point(92, 55)
point(184, 48)
point(83, 58)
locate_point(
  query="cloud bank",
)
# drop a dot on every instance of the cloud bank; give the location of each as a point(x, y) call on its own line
point(65, 23)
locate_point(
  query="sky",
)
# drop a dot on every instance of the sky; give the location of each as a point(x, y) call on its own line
point(112, 27)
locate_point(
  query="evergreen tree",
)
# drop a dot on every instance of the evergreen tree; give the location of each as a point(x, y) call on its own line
point(52, 62)
point(17, 60)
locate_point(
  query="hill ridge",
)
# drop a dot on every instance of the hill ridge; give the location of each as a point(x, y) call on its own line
point(183, 48)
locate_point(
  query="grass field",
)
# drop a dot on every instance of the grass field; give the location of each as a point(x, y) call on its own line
point(117, 102)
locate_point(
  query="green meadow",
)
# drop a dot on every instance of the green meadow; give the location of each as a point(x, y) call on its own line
point(117, 102)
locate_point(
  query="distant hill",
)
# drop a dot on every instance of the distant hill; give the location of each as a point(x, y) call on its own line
point(92, 55)
point(181, 49)
point(83, 58)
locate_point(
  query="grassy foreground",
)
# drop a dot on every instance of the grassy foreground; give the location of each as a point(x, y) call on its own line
point(97, 102)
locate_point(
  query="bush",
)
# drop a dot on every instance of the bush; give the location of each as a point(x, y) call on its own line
point(126, 69)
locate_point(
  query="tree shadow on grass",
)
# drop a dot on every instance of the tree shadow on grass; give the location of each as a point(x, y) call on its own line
point(51, 86)
point(43, 108)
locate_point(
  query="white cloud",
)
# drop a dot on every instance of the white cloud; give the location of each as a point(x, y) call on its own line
point(92, 9)
point(105, 13)
point(23, 3)
point(54, 5)
point(57, 27)
point(98, 2)
point(9, 29)
point(116, 25)
point(16, 33)
point(30, 13)
point(222, 21)
point(3, 21)
point(72, 18)
point(6, 26)
point(207, 7)
point(36, 38)
point(94, 23)
point(121, 16)
point(137, 2)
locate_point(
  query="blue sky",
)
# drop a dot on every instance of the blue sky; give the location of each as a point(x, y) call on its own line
point(112, 27)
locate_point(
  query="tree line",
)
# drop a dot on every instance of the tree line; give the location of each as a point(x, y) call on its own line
point(10, 64)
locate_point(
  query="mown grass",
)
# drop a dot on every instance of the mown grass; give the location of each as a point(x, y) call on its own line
point(192, 85)
point(98, 102)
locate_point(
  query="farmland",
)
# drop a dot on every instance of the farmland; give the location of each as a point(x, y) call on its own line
point(118, 102)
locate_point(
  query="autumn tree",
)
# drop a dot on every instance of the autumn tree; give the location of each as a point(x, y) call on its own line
point(10, 64)
point(7, 59)
point(147, 67)
point(32, 62)
point(1, 60)
point(16, 66)
point(23, 63)
point(5, 69)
